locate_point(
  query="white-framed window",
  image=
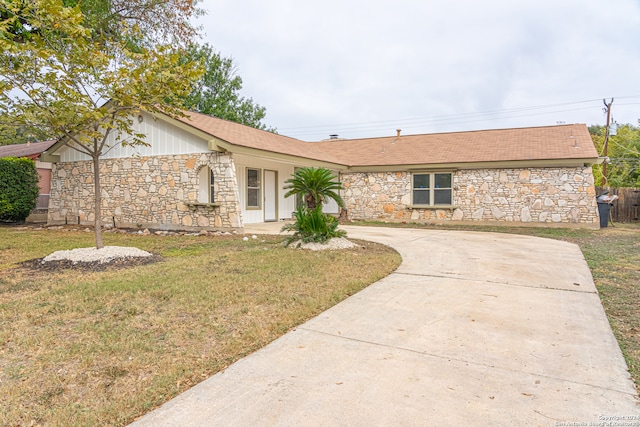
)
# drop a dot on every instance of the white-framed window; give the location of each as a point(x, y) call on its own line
point(432, 188)
point(206, 186)
point(253, 188)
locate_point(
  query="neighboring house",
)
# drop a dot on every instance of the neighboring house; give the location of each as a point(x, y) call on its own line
point(33, 150)
point(203, 172)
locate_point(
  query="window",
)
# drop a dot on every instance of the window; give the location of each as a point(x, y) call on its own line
point(431, 189)
point(212, 191)
point(206, 186)
point(253, 188)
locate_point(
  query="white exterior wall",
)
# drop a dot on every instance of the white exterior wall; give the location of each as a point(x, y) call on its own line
point(330, 207)
point(165, 139)
point(285, 206)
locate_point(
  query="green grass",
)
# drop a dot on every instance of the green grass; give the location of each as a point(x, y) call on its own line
point(613, 255)
point(102, 348)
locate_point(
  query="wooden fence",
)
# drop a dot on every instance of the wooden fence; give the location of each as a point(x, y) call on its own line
point(627, 207)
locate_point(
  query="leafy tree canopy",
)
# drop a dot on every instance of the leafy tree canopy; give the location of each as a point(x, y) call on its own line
point(12, 134)
point(139, 22)
point(217, 93)
point(60, 78)
point(623, 169)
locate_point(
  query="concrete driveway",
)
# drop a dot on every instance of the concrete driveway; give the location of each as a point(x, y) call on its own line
point(472, 329)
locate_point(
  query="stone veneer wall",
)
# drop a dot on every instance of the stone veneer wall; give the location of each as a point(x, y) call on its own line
point(528, 195)
point(150, 192)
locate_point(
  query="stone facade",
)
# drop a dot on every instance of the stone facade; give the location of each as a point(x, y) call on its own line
point(564, 195)
point(159, 192)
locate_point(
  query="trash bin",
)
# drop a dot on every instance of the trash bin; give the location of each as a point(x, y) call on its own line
point(603, 210)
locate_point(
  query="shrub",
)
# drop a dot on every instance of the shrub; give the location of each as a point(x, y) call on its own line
point(315, 185)
point(312, 225)
point(18, 188)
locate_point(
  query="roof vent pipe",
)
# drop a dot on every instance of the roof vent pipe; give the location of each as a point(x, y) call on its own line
point(398, 130)
point(333, 136)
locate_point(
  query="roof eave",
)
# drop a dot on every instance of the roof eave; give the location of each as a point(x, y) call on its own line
point(272, 155)
point(46, 156)
point(515, 164)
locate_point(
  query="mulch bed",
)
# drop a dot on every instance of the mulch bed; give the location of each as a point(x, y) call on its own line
point(114, 264)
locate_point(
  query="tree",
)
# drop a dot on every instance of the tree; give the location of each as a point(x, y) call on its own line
point(623, 167)
point(217, 91)
point(18, 188)
point(60, 76)
point(153, 21)
point(315, 185)
point(12, 134)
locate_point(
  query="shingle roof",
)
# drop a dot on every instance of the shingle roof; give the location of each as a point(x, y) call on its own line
point(245, 136)
point(32, 149)
point(499, 145)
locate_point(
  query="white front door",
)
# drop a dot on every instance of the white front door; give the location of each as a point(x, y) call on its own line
point(270, 196)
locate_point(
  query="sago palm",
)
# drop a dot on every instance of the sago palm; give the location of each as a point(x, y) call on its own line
point(316, 185)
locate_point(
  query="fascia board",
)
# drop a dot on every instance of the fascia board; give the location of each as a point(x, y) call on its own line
point(50, 158)
point(479, 165)
point(271, 155)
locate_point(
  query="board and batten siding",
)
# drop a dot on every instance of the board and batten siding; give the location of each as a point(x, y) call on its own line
point(163, 139)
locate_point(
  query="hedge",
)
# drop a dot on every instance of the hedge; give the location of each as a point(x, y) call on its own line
point(18, 188)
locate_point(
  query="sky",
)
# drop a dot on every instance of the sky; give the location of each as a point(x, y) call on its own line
point(363, 69)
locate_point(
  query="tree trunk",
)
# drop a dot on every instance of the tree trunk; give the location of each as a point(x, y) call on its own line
point(98, 202)
point(343, 218)
point(311, 202)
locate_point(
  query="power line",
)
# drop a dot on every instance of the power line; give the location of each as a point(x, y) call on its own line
point(449, 119)
point(459, 119)
point(445, 116)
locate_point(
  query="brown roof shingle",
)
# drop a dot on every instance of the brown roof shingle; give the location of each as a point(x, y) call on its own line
point(245, 136)
point(499, 145)
point(31, 149)
point(537, 143)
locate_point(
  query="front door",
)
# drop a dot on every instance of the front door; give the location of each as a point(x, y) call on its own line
point(270, 196)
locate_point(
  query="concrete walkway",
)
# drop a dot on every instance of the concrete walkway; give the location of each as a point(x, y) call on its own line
point(472, 329)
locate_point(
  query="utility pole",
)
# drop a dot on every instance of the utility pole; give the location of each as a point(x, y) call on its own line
point(606, 140)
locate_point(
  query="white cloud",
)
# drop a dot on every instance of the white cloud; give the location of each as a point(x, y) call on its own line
point(381, 61)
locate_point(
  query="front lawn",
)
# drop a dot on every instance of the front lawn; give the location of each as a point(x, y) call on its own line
point(104, 347)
